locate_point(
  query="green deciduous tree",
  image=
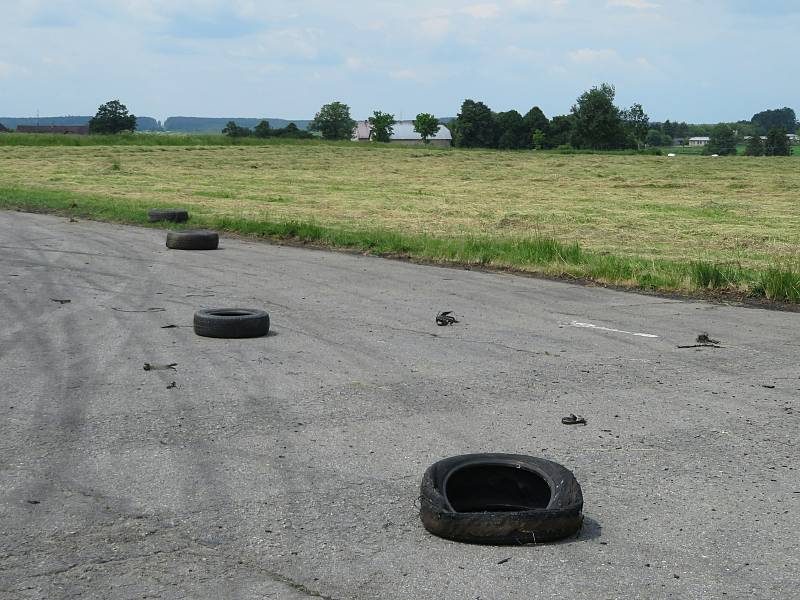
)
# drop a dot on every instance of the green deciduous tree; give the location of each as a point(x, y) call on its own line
point(381, 126)
point(598, 123)
point(334, 122)
point(112, 117)
point(636, 123)
point(426, 125)
point(722, 140)
point(535, 120)
point(780, 117)
point(777, 143)
point(474, 126)
point(560, 130)
point(656, 138)
point(511, 131)
point(234, 131)
point(754, 147)
point(292, 131)
point(262, 130)
point(539, 139)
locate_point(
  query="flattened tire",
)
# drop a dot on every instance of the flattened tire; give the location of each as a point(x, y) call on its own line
point(500, 499)
point(175, 215)
point(193, 240)
point(231, 323)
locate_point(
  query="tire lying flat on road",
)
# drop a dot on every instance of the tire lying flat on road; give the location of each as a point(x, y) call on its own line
point(231, 322)
point(175, 215)
point(500, 499)
point(193, 240)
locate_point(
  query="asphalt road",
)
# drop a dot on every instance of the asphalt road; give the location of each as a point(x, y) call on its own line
point(289, 466)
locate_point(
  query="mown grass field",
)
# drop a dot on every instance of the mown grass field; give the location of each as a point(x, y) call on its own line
point(674, 224)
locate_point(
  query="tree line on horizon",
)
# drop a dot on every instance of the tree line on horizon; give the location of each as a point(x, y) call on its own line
point(593, 123)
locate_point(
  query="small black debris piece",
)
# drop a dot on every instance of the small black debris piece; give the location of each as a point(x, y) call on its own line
point(573, 420)
point(445, 318)
point(146, 310)
point(33, 502)
point(151, 367)
point(168, 326)
point(769, 387)
point(704, 339)
point(61, 301)
point(172, 386)
point(503, 561)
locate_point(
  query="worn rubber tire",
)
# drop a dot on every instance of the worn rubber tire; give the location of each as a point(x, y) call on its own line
point(231, 322)
point(198, 239)
point(557, 517)
point(175, 215)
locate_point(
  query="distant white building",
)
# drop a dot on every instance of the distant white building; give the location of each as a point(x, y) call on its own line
point(699, 141)
point(403, 133)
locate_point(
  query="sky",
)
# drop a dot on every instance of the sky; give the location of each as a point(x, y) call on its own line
point(699, 61)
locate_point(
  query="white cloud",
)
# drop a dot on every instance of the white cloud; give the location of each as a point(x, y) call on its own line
point(482, 11)
point(435, 27)
point(522, 54)
point(638, 4)
point(353, 63)
point(8, 70)
point(404, 74)
point(589, 55)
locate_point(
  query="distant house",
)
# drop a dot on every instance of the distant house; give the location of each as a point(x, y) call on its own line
point(699, 141)
point(3, 128)
point(64, 129)
point(403, 133)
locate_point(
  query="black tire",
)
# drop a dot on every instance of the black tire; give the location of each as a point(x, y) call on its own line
point(193, 240)
point(231, 322)
point(500, 499)
point(175, 215)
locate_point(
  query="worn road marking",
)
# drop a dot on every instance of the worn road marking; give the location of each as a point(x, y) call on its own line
point(601, 328)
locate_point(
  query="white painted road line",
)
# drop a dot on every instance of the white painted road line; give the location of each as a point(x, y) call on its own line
point(601, 328)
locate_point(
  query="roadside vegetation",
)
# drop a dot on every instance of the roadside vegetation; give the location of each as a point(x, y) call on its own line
point(689, 224)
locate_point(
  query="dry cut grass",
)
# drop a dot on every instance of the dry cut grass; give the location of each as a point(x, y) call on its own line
point(734, 213)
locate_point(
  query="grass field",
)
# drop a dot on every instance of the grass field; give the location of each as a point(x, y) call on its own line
point(675, 224)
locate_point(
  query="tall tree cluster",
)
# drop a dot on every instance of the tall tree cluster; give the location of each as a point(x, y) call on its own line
point(594, 122)
point(780, 117)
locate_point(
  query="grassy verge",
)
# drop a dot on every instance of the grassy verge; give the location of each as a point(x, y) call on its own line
point(534, 254)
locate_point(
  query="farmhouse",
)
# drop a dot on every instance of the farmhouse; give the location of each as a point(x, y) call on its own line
point(65, 129)
point(699, 141)
point(404, 133)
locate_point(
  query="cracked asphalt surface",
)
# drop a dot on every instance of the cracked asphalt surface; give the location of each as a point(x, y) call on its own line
point(289, 466)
